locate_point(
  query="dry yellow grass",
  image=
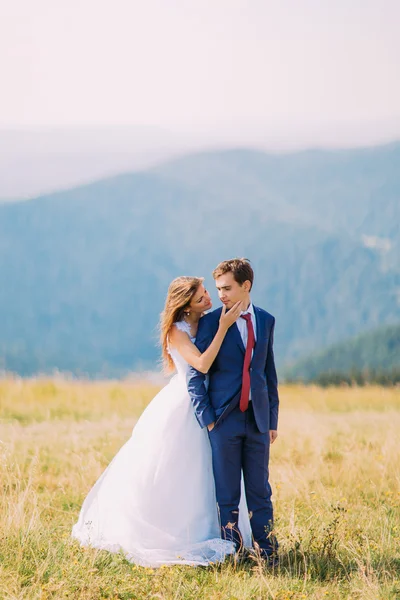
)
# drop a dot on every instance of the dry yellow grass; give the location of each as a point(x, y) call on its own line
point(335, 472)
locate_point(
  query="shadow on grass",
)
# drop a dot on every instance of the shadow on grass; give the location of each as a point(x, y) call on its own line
point(313, 566)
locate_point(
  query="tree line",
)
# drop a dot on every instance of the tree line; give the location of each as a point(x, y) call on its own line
point(353, 377)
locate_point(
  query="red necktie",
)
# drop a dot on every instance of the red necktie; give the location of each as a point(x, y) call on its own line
point(244, 396)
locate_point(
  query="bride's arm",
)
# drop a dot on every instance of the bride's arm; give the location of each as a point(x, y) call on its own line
point(202, 362)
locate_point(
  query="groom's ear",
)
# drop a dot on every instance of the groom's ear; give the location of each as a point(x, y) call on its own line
point(247, 285)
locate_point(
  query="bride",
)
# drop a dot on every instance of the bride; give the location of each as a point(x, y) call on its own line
point(156, 500)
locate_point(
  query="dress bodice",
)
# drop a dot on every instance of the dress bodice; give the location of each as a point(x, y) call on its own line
point(180, 363)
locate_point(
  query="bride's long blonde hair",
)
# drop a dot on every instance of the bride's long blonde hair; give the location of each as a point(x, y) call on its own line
point(180, 293)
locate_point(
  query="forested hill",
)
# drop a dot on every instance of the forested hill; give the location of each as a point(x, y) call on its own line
point(377, 350)
point(85, 271)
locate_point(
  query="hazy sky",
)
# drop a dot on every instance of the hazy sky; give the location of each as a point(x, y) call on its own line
point(213, 67)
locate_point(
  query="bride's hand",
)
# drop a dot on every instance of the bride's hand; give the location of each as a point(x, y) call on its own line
point(228, 318)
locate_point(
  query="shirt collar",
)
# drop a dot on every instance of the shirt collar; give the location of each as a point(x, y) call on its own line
point(249, 311)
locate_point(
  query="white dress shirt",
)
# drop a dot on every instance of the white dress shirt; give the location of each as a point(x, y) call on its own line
point(242, 326)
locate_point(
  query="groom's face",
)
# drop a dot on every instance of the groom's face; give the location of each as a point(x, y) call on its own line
point(230, 291)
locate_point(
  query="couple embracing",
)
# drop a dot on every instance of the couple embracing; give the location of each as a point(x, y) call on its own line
point(191, 485)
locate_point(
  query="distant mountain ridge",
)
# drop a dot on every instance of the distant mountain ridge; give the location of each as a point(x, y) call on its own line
point(40, 161)
point(87, 269)
point(374, 350)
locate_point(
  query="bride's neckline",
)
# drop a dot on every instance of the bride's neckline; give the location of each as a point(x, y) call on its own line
point(190, 330)
point(190, 327)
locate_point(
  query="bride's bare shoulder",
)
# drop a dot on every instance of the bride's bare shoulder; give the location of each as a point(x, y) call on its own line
point(181, 326)
point(178, 333)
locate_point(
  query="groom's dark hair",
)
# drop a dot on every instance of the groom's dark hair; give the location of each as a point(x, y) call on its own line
point(239, 267)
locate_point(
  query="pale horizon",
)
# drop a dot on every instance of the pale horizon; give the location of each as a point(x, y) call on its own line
point(253, 73)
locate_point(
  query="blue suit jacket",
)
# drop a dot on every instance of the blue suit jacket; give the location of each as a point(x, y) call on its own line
point(225, 375)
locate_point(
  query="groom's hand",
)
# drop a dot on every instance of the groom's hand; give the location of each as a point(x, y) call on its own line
point(273, 434)
point(210, 427)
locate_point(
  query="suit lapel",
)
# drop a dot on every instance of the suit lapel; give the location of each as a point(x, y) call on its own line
point(237, 337)
point(258, 329)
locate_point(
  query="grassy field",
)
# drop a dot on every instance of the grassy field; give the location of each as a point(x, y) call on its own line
point(335, 473)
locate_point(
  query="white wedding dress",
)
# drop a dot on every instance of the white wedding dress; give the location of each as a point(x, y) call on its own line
point(156, 500)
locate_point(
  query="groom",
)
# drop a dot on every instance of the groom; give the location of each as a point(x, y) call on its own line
point(240, 406)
